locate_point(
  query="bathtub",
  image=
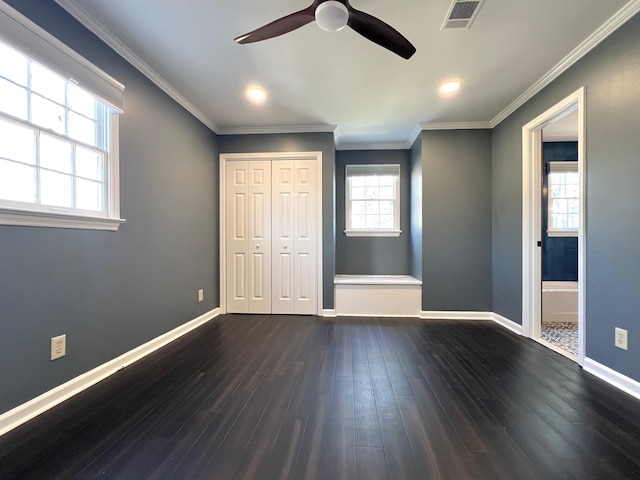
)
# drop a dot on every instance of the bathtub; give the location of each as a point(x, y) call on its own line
point(559, 302)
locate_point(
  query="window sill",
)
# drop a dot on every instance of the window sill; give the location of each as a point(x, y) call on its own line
point(562, 233)
point(372, 233)
point(35, 218)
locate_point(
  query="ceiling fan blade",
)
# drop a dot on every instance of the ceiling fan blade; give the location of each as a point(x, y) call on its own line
point(379, 32)
point(280, 26)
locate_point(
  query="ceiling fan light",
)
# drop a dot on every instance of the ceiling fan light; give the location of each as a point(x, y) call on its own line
point(332, 16)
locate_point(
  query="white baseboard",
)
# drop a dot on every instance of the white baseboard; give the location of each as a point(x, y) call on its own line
point(461, 315)
point(617, 379)
point(506, 323)
point(329, 312)
point(455, 315)
point(22, 413)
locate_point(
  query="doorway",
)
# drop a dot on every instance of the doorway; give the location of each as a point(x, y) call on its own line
point(270, 233)
point(571, 109)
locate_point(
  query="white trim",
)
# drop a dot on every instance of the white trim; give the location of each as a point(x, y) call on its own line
point(463, 315)
point(562, 233)
point(343, 279)
point(532, 214)
point(38, 44)
point(224, 157)
point(93, 25)
point(372, 233)
point(22, 413)
point(42, 218)
point(592, 41)
point(277, 129)
point(617, 379)
point(455, 315)
point(329, 312)
point(455, 125)
point(374, 146)
point(506, 323)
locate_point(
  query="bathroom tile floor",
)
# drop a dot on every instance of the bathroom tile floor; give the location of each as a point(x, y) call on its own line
point(563, 335)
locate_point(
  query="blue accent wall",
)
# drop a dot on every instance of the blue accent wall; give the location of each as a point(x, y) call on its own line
point(559, 254)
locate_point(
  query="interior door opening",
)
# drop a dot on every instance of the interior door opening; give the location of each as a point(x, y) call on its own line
point(553, 270)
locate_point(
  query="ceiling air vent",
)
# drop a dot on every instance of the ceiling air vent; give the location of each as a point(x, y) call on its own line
point(461, 14)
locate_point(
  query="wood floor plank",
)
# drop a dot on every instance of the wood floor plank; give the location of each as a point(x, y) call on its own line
point(371, 464)
point(366, 411)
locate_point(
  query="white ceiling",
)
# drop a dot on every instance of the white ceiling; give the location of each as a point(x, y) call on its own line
point(317, 80)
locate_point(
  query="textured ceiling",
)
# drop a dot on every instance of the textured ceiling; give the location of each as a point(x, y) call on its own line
point(316, 80)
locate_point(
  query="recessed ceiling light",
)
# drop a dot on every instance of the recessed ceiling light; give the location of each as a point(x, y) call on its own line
point(450, 87)
point(256, 94)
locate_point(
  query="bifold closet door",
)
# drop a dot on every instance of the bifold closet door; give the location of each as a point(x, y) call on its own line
point(248, 231)
point(294, 229)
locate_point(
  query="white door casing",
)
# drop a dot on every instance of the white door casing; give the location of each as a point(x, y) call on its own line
point(531, 217)
point(295, 234)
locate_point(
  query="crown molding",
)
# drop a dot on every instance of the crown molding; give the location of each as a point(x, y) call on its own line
point(455, 125)
point(374, 146)
point(277, 129)
point(592, 41)
point(86, 19)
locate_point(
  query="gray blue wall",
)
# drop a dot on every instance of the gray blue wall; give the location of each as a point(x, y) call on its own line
point(456, 220)
point(302, 142)
point(374, 255)
point(112, 291)
point(611, 75)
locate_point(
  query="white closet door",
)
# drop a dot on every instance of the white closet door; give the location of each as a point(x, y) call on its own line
point(248, 230)
point(306, 244)
point(271, 236)
point(283, 224)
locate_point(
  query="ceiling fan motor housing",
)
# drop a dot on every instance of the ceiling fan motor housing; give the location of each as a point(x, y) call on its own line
point(332, 16)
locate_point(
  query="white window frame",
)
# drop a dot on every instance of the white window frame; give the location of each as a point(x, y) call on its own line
point(559, 167)
point(25, 36)
point(352, 171)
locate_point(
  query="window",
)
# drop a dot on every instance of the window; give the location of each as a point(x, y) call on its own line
point(58, 138)
point(563, 199)
point(372, 200)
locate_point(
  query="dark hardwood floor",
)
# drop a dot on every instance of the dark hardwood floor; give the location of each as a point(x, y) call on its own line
point(278, 397)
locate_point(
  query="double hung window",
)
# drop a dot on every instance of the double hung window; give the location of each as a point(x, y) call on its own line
point(58, 139)
point(372, 200)
point(563, 199)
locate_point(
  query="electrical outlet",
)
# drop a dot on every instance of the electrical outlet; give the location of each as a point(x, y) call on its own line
point(621, 338)
point(200, 295)
point(58, 347)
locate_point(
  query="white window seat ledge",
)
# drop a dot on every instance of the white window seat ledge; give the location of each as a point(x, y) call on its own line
point(378, 295)
point(376, 280)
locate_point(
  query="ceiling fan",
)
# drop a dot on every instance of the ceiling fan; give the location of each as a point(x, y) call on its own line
point(334, 15)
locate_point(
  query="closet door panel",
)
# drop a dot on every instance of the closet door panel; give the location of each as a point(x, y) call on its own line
point(283, 224)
